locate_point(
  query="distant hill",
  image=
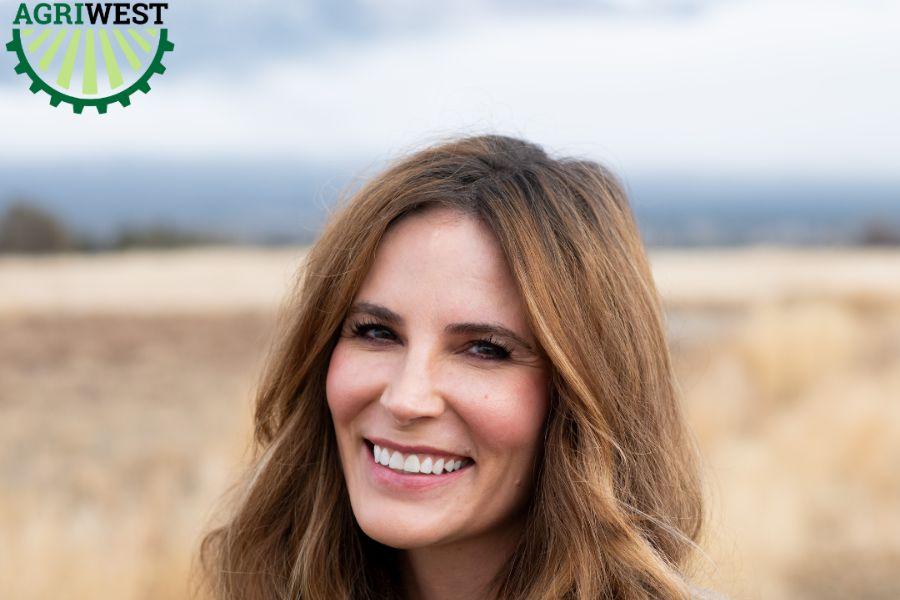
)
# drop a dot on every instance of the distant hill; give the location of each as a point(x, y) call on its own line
point(275, 203)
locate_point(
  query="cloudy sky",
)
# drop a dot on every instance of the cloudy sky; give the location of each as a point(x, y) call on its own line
point(792, 87)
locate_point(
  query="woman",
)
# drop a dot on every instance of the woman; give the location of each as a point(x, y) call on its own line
point(473, 399)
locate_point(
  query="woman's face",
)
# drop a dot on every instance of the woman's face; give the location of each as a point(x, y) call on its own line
point(436, 364)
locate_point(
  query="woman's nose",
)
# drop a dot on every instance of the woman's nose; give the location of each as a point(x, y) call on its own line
point(411, 392)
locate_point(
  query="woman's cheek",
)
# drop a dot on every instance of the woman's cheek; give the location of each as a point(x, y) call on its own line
point(349, 385)
point(505, 409)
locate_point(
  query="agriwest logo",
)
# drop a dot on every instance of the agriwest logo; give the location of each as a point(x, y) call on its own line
point(90, 53)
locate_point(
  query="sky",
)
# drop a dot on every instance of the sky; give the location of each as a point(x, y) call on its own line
point(782, 88)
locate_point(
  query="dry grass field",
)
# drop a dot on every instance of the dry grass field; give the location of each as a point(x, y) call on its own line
point(126, 384)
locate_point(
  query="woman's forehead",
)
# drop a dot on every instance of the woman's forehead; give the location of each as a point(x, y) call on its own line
point(446, 260)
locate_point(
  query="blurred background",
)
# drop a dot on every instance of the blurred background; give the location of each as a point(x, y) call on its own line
point(144, 255)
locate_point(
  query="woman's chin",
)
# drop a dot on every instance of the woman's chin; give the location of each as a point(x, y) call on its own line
point(402, 534)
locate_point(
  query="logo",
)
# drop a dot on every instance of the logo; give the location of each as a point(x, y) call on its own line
point(90, 53)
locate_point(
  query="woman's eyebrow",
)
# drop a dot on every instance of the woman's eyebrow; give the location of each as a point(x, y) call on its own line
point(377, 311)
point(484, 329)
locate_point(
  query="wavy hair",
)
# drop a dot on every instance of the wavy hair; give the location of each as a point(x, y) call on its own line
point(617, 504)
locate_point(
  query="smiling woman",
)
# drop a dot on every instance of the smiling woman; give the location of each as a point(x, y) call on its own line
point(435, 369)
point(473, 399)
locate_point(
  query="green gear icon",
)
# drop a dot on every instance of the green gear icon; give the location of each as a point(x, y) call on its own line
point(58, 97)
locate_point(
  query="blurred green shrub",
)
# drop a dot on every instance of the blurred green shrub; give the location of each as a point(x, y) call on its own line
point(163, 236)
point(880, 233)
point(27, 228)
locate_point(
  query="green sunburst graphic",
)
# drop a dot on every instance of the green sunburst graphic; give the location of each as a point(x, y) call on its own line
point(90, 66)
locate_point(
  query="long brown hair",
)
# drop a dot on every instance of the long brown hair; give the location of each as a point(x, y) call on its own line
point(616, 508)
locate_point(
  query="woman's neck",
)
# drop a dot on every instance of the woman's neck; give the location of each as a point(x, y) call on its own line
point(456, 570)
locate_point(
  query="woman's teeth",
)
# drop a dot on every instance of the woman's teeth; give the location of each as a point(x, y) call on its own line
point(414, 463)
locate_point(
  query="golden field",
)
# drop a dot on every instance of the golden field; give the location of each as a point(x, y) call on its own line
point(126, 383)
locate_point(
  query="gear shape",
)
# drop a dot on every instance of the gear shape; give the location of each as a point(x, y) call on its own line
point(142, 84)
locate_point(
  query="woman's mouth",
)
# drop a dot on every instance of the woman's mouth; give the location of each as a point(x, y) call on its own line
point(418, 463)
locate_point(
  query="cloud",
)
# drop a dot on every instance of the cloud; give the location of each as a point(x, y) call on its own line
point(775, 87)
point(237, 35)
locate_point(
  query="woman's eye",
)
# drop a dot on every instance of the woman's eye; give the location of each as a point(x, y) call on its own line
point(491, 350)
point(372, 331)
